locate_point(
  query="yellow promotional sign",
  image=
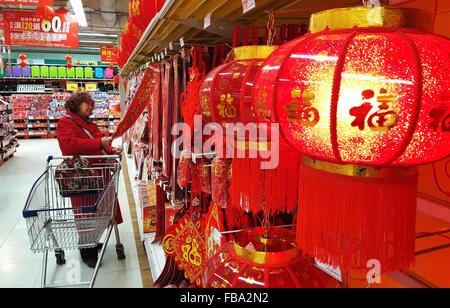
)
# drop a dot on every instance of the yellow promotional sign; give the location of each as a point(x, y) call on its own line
point(71, 86)
point(91, 87)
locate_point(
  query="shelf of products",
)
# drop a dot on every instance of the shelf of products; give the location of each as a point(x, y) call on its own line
point(38, 115)
point(8, 135)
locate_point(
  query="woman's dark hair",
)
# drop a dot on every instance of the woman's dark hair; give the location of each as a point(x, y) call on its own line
point(74, 101)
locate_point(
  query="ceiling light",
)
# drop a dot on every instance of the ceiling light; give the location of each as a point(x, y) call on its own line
point(78, 9)
point(97, 42)
point(98, 34)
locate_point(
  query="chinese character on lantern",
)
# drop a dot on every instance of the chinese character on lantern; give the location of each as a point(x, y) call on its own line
point(380, 121)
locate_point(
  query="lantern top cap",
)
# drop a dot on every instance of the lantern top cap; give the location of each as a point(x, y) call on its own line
point(361, 17)
point(252, 52)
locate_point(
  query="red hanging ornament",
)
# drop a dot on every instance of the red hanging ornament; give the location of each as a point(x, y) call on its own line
point(111, 66)
point(258, 260)
point(226, 96)
point(367, 101)
point(45, 12)
point(22, 57)
point(61, 11)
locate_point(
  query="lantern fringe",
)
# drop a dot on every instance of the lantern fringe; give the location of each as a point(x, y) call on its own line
point(346, 221)
point(273, 190)
point(190, 98)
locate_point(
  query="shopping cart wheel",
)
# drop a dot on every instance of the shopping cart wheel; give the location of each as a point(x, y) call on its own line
point(120, 252)
point(60, 257)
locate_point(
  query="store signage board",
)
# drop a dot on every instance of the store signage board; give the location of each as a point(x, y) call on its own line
point(24, 28)
point(85, 62)
point(71, 86)
point(108, 54)
point(28, 2)
point(36, 61)
point(248, 5)
point(31, 88)
point(91, 87)
point(207, 21)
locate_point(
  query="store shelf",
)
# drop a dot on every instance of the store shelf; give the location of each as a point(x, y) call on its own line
point(155, 253)
point(185, 18)
point(58, 79)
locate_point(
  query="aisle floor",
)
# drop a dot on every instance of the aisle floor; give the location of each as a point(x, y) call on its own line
point(19, 267)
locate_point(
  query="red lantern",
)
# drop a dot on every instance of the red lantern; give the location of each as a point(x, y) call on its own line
point(68, 59)
point(369, 97)
point(144, 11)
point(227, 91)
point(111, 66)
point(274, 263)
point(226, 97)
point(45, 12)
point(22, 57)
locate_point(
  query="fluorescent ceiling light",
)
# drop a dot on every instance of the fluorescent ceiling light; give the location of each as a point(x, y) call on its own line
point(78, 9)
point(97, 42)
point(98, 35)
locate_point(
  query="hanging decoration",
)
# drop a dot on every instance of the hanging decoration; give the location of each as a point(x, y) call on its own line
point(45, 12)
point(364, 104)
point(213, 230)
point(68, 62)
point(22, 60)
point(140, 101)
point(186, 243)
point(255, 260)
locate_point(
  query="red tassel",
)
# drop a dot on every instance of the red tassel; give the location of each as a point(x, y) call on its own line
point(346, 221)
point(255, 36)
point(272, 190)
point(245, 36)
point(236, 36)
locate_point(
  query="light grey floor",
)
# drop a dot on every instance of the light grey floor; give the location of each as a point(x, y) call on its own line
point(19, 267)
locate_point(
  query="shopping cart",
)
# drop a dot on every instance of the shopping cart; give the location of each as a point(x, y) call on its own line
point(67, 217)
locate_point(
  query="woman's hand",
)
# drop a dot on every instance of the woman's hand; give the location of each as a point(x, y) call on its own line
point(117, 151)
point(106, 142)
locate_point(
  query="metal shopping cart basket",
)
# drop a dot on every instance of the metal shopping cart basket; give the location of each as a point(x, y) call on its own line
point(67, 213)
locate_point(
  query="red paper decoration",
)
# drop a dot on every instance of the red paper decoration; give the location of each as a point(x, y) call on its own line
point(186, 243)
point(376, 97)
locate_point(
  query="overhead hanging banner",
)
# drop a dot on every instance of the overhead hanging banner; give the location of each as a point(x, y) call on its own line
point(23, 28)
point(108, 54)
point(28, 2)
point(140, 101)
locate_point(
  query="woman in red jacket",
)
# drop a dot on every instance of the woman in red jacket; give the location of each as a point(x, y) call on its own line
point(78, 135)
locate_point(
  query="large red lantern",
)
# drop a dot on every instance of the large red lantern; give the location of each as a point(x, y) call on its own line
point(356, 101)
point(226, 96)
point(274, 263)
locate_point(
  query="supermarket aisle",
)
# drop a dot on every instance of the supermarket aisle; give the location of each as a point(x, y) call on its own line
point(19, 267)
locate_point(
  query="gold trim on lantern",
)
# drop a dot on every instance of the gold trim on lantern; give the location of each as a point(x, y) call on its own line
point(252, 52)
point(262, 257)
point(362, 17)
point(246, 145)
point(358, 171)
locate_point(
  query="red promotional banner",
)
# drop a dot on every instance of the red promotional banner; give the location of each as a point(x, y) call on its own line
point(108, 54)
point(28, 2)
point(140, 101)
point(24, 28)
